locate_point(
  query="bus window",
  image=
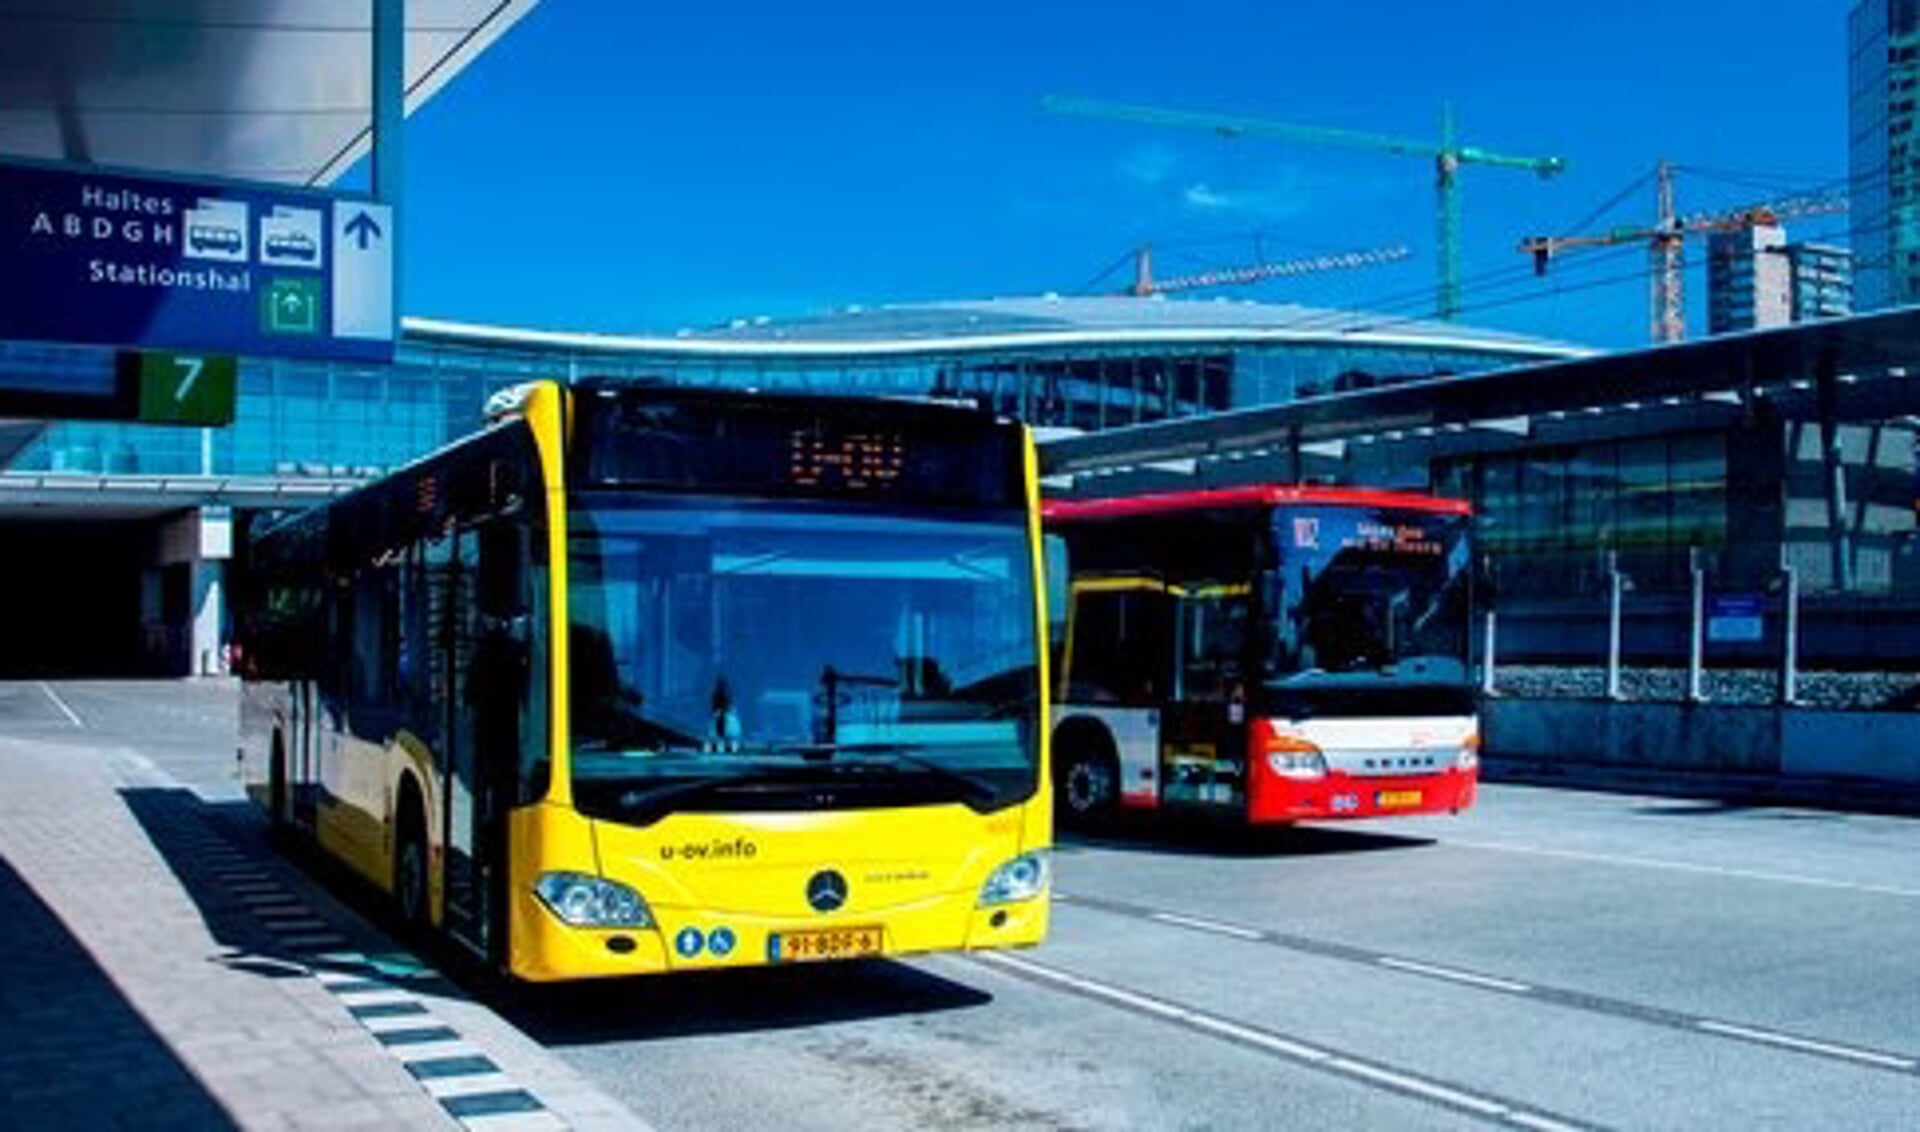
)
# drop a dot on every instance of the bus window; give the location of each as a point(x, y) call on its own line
point(1122, 642)
point(1215, 631)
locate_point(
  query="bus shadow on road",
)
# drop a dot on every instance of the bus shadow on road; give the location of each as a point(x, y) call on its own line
point(177, 822)
point(1199, 838)
point(180, 825)
point(741, 1000)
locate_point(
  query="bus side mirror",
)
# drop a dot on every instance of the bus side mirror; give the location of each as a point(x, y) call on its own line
point(1055, 554)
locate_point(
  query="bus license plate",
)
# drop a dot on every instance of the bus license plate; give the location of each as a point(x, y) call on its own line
point(1398, 799)
point(828, 943)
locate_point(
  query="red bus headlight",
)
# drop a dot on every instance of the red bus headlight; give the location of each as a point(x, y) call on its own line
point(1291, 756)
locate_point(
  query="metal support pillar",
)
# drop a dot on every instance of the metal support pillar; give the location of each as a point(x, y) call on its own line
point(1789, 632)
point(389, 114)
point(1616, 589)
point(1833, 460)
point(1697, 630)
point(1487, 656)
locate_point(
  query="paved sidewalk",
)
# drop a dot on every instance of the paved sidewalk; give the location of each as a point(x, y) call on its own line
point(160, 971)
point(120, 1007)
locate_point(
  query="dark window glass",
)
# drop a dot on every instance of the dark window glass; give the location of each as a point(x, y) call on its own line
point(1122, 649)
point(785, 642)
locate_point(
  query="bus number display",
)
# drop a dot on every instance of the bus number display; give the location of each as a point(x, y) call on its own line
point(856, 461)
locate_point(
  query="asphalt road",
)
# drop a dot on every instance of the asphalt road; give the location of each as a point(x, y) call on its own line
point(1549, 959)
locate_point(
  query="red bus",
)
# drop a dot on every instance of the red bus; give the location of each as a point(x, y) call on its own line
point(1276, 653)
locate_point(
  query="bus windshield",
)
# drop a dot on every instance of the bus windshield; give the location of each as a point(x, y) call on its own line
point(1366, 598)
point(747, 656)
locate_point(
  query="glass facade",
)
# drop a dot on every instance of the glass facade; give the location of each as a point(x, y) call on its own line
point(312, 419)
point(1560, 511)
point(1883, 90)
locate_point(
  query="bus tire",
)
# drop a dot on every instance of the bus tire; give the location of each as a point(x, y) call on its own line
point(1086, 776)
point(277, 808)
point(410, 862)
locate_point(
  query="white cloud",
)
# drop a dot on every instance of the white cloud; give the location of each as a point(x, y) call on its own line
point(1148, 164)
point(1289, 199)
point(1206, 199)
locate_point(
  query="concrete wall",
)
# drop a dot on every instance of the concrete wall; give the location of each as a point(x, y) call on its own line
point(1704, 739)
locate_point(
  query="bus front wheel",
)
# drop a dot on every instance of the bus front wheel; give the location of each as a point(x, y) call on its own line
point(410, 864)
point(1087, 780)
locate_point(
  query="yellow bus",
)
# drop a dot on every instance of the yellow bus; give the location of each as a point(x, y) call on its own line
point(645, 679)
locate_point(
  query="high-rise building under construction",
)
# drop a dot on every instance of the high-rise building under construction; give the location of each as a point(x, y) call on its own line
point(1756, 279)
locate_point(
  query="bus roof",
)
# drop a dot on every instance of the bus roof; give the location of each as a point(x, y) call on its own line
point(1260, 495)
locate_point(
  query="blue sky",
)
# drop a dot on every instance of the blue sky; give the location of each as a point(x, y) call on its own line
point(625, 166)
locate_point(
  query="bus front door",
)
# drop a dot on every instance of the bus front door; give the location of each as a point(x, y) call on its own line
point(488, 685)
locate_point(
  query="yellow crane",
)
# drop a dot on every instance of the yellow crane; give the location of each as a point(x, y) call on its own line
point(1666, 238)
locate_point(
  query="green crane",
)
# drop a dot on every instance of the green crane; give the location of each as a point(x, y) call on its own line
point(1447, 154)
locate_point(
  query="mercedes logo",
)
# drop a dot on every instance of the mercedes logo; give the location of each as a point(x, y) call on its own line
point(826, 890)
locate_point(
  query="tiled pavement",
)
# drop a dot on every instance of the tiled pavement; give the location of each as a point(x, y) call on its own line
point(157, 971)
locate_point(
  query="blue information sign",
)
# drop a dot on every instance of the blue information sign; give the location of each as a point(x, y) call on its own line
point(138, 261)
point(1736, 618)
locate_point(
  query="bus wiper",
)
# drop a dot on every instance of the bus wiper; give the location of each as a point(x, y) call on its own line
point(897, 755)
point(655, 797)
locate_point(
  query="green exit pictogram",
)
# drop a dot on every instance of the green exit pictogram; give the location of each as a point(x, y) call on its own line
point(192, 389)
point(290, 306)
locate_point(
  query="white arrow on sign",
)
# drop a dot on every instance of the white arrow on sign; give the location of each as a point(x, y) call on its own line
point(362, 270)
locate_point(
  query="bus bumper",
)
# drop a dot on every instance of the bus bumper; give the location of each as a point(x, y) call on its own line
point(546, 950)
point(1338, 796)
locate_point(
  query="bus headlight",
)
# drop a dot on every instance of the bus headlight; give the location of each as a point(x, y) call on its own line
point(1022, 878)
point(1290, 754)
point(584, 901)
point(1469, 756)
point(1297, 764)
point(1295, 758)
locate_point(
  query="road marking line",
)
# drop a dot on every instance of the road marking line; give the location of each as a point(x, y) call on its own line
point(443, 1087)
point(1540, 1123)
point(1419, 1087)
point(1575, 1000)
point(1213, 926)
point(351, 997)
point(1685, 867)
point(1098, 990)
point(332, 980)
point(437, 1051)
point(1294, 1051)
point(1260, 1038)
point(1452, 975)
point(1808, 1044)
point(62, 705)
point(513, 1122)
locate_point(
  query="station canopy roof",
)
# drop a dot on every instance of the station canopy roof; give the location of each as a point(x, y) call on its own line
point(1872, 361)
point(1120, 316)
point(256, 90)
point(278, 91)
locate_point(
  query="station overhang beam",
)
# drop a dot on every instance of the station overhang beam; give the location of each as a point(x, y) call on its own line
point(1865, 367)
point(279, 91)
point(33, 494)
